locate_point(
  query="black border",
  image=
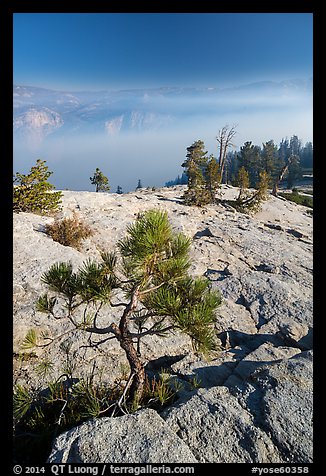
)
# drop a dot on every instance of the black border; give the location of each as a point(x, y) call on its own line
point(8, 8)
point(101, 6)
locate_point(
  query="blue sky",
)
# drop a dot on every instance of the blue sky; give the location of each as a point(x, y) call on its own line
point(130, 50)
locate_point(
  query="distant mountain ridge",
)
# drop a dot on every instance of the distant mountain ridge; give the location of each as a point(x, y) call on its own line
point(41, 112)
point(29, 91)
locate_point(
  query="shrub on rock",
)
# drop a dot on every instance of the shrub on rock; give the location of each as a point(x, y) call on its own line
point(69, 231)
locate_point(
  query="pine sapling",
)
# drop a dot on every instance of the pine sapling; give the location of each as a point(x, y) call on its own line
point(151, 268)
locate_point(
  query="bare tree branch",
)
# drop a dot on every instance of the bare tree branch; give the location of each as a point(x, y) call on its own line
point(121, 399)
point(97, 344)
point(52, 339)
point(104, 330)
point(224, 138)
point(124, 304)
point(154, 288)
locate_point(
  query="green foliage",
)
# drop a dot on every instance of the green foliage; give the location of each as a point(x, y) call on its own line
point(22, 401)
point(212, 178)
point(156, 260)
point(153, 274)
point(251, 202)
point(40, 414)
point(191, 305)
point(147, 236)
point(69, 231)
point(44, 368)
point(203, 175)
point(92, 282)
point(45, 304)
point(249, 157)
point(296, 197)
point(195, 382)
point(59, 278)
point(242, 181)
point(242, 178)
point(264, 180)
point(294, 172)
point(195, 167)
point(269, 160)
point(198, 196)
point(100, 181)
point(152, 252)
point(30, 340)
point(162, 392)
point(33, 193)
point(95, 281)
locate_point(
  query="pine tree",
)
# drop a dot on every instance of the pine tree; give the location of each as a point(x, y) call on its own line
point(263, 184)
point(295, 145)
point(139, 185)
point(242, 181)
point(100, 181)
point(294, 172)
point(195, 166)
point(212, 178)
point(284, 151)
point(306, 156)
point(250, 158)
point(33, 193)
point(269, 159)
point(160, 297)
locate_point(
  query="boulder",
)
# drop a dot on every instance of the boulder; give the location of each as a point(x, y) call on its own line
point(217, 429)
point(287, 406)
point(142, 437)
point(279, 396)
point(262, 414)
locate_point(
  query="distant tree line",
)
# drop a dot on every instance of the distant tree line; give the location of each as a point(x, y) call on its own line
point(255, 159)
point(180, 180)
point(272, 159)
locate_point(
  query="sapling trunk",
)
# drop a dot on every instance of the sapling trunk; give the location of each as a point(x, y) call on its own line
point(137, 370)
